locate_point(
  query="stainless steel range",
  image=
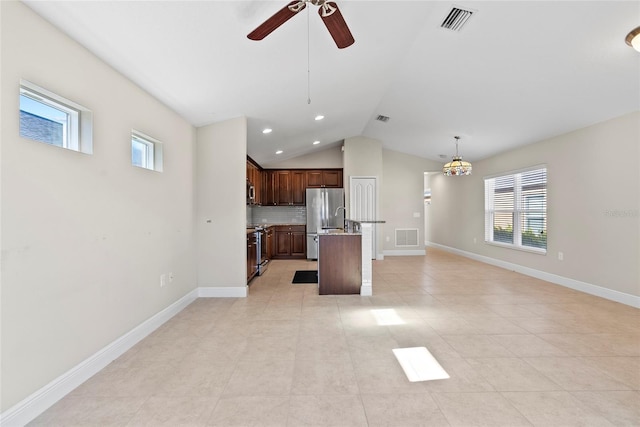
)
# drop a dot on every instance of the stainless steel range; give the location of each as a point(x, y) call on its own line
point(261, 247)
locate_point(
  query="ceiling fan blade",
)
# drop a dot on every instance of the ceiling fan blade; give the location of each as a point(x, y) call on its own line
point(279, 18)
point(336, 25)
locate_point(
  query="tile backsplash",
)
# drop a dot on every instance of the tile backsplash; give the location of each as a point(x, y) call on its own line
point(276, 215)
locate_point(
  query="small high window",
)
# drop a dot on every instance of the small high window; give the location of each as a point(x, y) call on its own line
point(54, 120)
point(146, 152)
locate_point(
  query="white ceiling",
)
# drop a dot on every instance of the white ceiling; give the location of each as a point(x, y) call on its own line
point(518, 72)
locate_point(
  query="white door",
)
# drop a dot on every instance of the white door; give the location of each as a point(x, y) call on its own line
point(362, 203)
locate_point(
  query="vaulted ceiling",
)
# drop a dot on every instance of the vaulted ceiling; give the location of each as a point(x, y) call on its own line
point(516, 73)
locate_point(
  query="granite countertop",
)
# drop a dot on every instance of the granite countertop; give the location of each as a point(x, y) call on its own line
point(267, 225)
point(364, 221)
point(338, 232)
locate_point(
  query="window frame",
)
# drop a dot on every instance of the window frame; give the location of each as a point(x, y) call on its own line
point(154, 153)
point(519, 211)
point(78, 129)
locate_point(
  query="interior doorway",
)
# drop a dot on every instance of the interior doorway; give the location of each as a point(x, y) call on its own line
point(427, 205)
point(363, 203)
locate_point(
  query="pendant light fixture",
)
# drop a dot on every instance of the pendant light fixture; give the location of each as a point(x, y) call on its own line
point(457, 166)
point(633, 39)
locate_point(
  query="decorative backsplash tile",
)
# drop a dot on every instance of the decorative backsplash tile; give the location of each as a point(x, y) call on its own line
point(277, 215)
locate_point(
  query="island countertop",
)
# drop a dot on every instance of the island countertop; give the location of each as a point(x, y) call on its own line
point(338, 232)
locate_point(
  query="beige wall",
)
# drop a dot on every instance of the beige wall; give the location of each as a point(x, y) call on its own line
point(402, 197)
point(593, 205)
point(85, 238)
point(328, 158)
point(363, 157)
point(221, 155)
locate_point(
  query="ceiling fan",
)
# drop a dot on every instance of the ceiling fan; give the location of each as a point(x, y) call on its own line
point(328, 11)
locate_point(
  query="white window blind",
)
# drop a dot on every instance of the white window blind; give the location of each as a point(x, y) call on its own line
point(516, 210)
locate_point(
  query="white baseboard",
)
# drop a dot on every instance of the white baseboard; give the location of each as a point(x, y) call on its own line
point(223, 292)
point(599, 291)
point(28, 409)
point(404, 252)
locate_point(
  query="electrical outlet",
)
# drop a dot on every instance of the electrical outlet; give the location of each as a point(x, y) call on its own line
point(416, 214)
point(560, 256)
point(163, 280)
point(475, 240)
point(388, 239)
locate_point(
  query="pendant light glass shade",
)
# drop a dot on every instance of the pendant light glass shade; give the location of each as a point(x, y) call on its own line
point(457, 167)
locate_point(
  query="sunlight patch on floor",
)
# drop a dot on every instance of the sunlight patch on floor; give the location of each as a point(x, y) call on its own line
point(387, 316)
point(419, 365)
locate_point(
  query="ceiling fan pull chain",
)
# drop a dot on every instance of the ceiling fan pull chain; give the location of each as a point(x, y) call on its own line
point(308, 62)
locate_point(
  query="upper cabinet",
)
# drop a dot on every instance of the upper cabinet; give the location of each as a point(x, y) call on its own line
point(329, 178)
point(289, 188)
point(286, 187)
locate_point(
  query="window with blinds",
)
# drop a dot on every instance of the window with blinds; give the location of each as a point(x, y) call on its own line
point(516, 210)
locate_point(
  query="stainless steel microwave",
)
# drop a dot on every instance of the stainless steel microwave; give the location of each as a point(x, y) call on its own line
point(251, 193)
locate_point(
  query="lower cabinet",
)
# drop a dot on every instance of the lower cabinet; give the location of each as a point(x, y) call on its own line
point(290, 241)
point(270, 242)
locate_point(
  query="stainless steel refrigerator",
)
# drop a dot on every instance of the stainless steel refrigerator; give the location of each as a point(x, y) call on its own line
point(325, 210)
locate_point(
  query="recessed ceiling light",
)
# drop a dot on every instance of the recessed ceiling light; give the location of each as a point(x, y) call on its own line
point(316, 142)
point(319, 117)
point(267, 130)
point(279, 152)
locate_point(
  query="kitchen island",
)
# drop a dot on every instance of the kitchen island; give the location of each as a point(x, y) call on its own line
point(339, 262)
point(346, 261)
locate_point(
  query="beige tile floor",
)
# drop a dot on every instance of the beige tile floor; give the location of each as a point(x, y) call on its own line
point(519, 351)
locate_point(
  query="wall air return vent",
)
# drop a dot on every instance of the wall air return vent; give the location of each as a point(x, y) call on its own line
point(456, 18)
point(381, 118)
point(406, 236)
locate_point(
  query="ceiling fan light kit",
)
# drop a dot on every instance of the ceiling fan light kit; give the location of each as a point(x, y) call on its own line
point(633, 39)
point(328, 11)
point(457, 166)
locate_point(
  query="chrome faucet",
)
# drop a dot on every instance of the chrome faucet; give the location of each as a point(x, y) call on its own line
point(338, 208)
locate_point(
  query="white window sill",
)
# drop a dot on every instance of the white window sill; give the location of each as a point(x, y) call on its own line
point(537, 251)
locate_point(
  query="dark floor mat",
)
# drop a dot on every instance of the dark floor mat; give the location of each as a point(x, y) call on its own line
point(305, 276)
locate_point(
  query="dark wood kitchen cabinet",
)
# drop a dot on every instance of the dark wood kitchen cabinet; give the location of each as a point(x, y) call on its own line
point(290, 241)
point(268, 188)
point(298, 188)
point(283, 188)
point(270, 242)
point(324, 178)
point(289, 187)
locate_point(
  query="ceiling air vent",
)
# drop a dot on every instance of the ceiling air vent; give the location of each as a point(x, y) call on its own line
point(456, 18)
point(381, 118)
